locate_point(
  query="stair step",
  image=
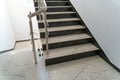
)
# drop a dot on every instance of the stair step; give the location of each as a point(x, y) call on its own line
point(71, 50)
point(57, 1)
point(60, 15)
point(60, 20)
point(65, 38)
point(49, 13)
point(62, 28)
point(59, 9)
point(63, 23)
point(57, 6)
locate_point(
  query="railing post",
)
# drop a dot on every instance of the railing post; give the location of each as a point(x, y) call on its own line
point(32, 39)
point(42, 15)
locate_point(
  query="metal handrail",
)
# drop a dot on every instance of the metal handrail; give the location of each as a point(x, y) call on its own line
point(32, 38)
point(44, 6)
point(43, 11)
point(36, 13)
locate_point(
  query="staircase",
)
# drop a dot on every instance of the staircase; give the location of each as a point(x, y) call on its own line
point(69, 38)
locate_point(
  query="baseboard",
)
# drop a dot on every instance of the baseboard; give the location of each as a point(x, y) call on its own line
point(26, 40)
point(1, 52)
point(15, 45)
point(104, 57)
point(23, 40)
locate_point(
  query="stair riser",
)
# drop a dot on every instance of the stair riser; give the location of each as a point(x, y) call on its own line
point(53, 4)
point(57, 3)
point(57, 24)
point(65, 32)
point(67, 43)
point(71, 57)
point(56, 16)
point(57, 0)
point(61, 16)
point(57, 9)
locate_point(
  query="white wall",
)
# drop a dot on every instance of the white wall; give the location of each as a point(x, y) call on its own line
point(7, 40)
point(19, 9)
point(102, 17)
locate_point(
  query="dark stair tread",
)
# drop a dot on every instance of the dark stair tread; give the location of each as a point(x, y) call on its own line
point(57, 1)
point(62, 28)
point(65, 38)
point(67, 12)
point(71, 50)
point(57, 6)
point(60, 20)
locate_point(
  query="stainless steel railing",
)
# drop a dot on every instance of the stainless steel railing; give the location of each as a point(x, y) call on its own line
point(42, 7)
